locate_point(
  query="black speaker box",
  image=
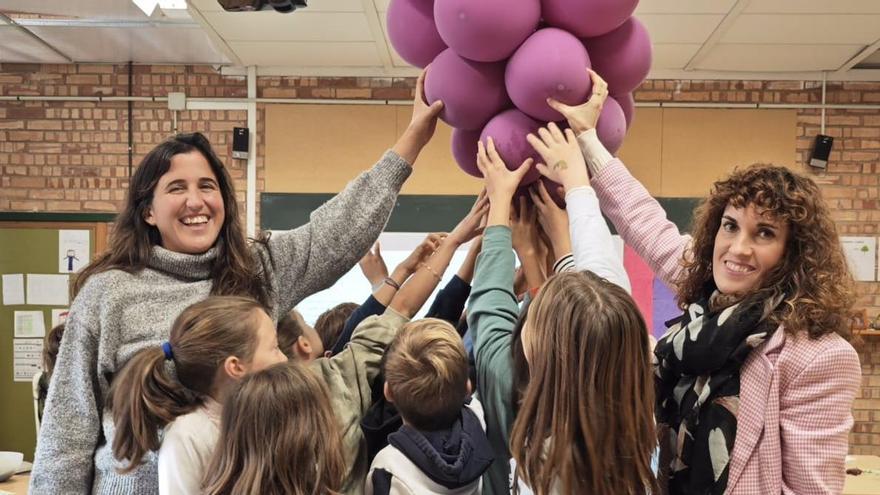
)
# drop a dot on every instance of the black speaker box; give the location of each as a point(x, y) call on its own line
point(821, 151)
point(240, 142)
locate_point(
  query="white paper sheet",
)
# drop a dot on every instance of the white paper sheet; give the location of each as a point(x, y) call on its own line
point(27, 359)
point(59, 316)
point(13, 289)
point(49, 290)
point(861, 253)
point(29, 324)
point(73, 250)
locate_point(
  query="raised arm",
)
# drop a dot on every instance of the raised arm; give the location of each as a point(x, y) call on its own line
point(312, 257)
point(591, 240)
point(527, 243)
point(449, 303)
point(637, 217)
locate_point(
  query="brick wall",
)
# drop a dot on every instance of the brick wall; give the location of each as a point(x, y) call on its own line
point(73, 156)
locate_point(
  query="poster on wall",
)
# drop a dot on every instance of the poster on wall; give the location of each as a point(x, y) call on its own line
point(73, 250)
point(27, 359)
point(861, 253)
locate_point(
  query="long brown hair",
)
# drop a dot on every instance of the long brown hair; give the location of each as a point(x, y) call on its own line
point(278, 436)
point(236, 270)
point(331, 322)
point(145, 396)
point(51, 346)
point(586, 420)
point(813, 276)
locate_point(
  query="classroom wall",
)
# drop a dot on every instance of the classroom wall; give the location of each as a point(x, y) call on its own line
point(73, 156)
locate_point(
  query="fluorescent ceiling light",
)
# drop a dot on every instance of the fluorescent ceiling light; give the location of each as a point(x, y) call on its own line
point(149, 6)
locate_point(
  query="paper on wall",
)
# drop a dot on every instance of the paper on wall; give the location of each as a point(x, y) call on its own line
point(13, 289)
point(861, 253)
point(29, 324)
point(27, 359)
point(73, 250)
point(59, 316)
point(49, 290)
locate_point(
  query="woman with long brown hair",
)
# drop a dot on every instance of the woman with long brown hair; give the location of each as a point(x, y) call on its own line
point(278, 437)
point(213, 344)
point(755, 381)
point(178, 240)
point(584, 422)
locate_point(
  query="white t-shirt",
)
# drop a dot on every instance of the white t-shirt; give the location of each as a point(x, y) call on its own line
point(187, 448)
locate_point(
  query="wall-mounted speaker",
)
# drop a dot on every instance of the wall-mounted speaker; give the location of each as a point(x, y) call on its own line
point(821, 151)
point(240, 136)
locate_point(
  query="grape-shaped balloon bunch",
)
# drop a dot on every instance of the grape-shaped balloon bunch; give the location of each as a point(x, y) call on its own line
point(494, 63)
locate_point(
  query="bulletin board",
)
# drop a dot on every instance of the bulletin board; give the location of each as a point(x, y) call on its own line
point(30, 248)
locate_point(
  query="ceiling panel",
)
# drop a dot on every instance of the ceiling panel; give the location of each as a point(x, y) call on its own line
point(115, 9)
point(140, 45)
point(804, 29)
point(777, 58)
point(307, 54)
point(300, 26)
point(684, 6)
point(673, 56)
point(681, 28)
point(813, 7)
point(313, 6)
point(16, 46)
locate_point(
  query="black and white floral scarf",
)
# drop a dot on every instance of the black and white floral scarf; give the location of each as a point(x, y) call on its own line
point(697, 378)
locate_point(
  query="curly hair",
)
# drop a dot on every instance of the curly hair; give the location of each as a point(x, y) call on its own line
point(813, 276)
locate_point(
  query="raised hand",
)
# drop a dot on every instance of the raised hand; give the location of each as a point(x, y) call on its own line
point(373, 266)
point(421, 125)
point(422, 252)
point(553, 220)
point(563, 161)
point(473, 223)
point(584, 117)
point(500, 182)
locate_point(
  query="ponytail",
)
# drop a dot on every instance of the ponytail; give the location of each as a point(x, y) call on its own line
point(148, 398)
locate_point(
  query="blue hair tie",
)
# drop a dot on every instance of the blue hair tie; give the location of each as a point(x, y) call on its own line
point(166, 348)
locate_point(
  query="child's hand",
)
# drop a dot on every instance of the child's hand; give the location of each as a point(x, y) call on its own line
point(500, 182)
point(421, 253)
point(473, 223)
point(524, 228)
point(373, 266)
point(553, 219)
point(584, 117)
point(563, 161)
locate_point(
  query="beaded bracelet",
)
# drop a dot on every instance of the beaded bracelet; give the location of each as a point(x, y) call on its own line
point(390, 281)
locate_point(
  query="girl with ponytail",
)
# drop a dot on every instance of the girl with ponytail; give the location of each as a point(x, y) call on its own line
point(180, 386)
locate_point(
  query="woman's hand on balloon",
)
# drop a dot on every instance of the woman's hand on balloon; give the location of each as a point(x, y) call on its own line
point(422, 124)
point(563, 161)
point(584, 117)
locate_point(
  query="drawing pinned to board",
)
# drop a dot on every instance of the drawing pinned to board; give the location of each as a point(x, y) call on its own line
point(29, 324)
point(73, 250)
point(861, 253)
point(59, 316)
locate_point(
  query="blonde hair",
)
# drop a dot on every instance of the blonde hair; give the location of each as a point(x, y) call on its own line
point(586, 418)
point(426, 369)
point(278, 436)
point(145, 396)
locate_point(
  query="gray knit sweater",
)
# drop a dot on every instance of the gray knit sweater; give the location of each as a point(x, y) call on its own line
point(117, 314)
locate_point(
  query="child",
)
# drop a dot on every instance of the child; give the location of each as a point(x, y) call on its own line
point(51, 344)
point(213, 344)
point(331, 322)
point(442, 446)
point(297, 339)
point(277, 411)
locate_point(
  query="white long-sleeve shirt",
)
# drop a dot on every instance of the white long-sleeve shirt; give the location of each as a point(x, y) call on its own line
point(187, 449)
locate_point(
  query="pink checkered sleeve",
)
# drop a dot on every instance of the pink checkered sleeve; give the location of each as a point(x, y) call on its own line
point(640, 220)
point(815, 419)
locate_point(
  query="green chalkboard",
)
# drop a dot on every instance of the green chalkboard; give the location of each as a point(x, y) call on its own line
point(35, 251)
point(418, 213)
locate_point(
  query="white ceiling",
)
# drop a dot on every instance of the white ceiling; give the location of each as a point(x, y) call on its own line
point(692, 38)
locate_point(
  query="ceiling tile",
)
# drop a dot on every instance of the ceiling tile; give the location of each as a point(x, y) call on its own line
point(307, 54)
point(18, 47)
point(673, 56)
point(313, 6)
point(680, 28)
point(684, 6)
point(804, 29)
point(301, 26)
point(777, 58)
point(813, 7)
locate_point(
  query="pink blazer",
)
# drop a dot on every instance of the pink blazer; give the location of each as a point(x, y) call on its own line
point(796, 394)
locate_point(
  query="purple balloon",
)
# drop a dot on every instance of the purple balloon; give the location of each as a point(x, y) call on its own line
point(464, 150)
point(486, 30)
point(587, 18)
point(551, 63)
point(622, 57)
point(628, 104)
point(611, 128)
point(412, 31)
point(509, 129)
point(472, 92)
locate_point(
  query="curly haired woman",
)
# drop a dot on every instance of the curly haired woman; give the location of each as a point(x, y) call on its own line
point(755, 381)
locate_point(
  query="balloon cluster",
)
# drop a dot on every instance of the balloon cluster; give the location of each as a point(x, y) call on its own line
point(494, 63)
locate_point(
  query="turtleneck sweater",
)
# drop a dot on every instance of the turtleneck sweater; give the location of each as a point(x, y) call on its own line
point(117, 313)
